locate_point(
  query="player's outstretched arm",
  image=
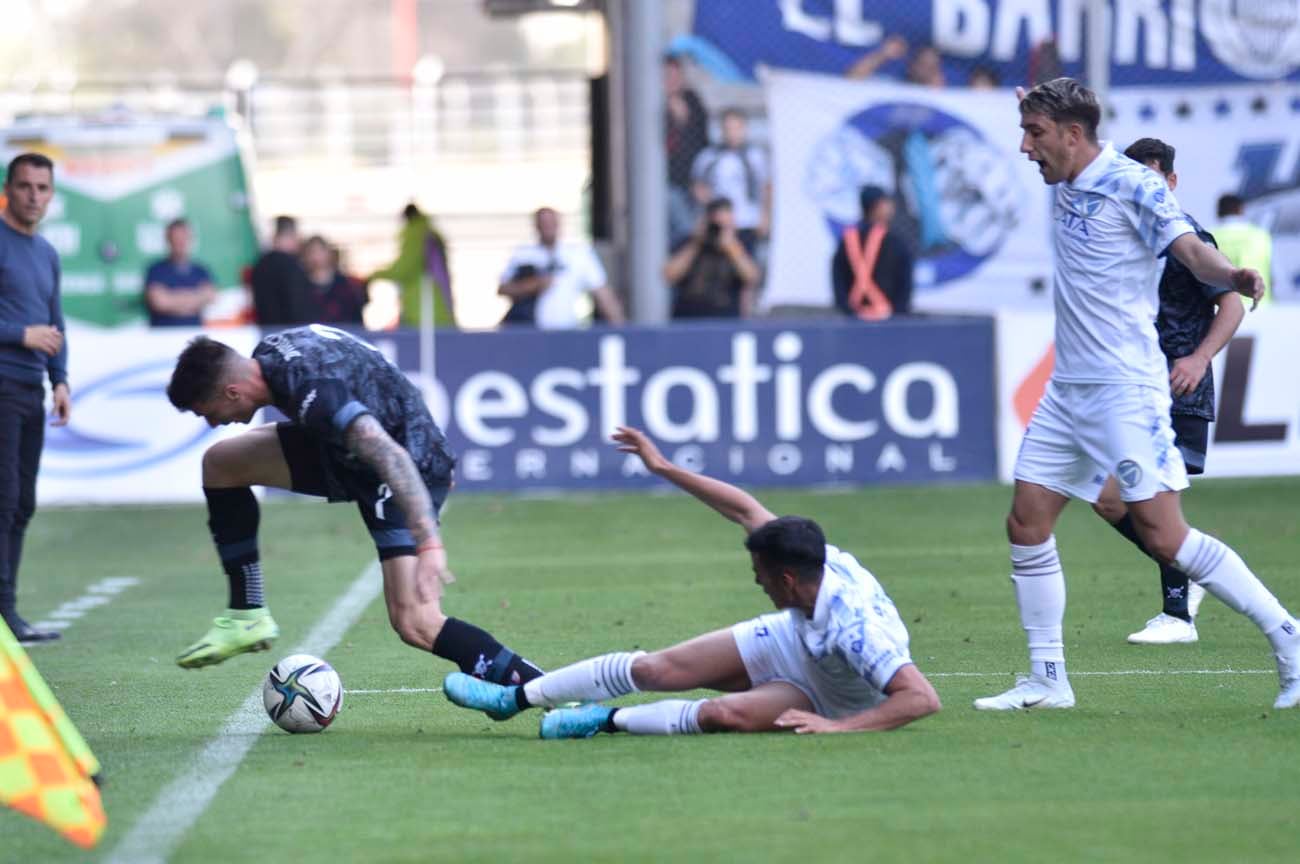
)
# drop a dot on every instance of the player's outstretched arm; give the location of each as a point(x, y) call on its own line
point(735, 504)
point(1210, 266)
point(368, 441)
point(910, 697)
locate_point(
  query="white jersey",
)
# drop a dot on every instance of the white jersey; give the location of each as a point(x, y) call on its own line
point(1112, 224)
point(855, 631)
point(575, 271)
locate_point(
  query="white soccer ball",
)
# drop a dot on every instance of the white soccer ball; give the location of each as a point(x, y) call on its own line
point(302, 693)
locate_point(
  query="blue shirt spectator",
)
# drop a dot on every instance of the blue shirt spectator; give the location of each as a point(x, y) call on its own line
point(177, 288)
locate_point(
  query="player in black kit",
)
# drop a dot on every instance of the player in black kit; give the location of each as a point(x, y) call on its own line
point(358, 431)
point(1194, 322)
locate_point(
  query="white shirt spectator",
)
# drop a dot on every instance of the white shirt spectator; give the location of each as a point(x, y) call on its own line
point(737, 175)
point(575, 272)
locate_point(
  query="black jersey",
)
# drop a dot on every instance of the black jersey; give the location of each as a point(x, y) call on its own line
point(323, 378)
point(1187, 309)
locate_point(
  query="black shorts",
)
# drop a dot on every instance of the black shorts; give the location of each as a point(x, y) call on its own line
point(314, 470)
point(1192, 438)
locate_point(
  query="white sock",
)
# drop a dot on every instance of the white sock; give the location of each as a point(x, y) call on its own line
point(1040, 594)
point(605, 677)
point(669, 717)
point(1221, 571)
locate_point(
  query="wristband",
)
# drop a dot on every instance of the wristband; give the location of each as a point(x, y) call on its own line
point(427, 546)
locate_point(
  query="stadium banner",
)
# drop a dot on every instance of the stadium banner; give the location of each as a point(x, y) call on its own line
point(829, 403)
point(119, 179)
point(1240, 140)
point(1167, 42)
point(974, 207)
point(125, 442)
point(1257, 433)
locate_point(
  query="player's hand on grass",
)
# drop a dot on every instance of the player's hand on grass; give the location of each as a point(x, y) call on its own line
point(62, 411)
point(1248, 283)
point(43, 338)
point(635, 441)
point(1187, 374)
point(805, 722)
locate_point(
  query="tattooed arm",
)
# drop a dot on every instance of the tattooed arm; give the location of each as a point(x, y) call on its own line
point(368, 441)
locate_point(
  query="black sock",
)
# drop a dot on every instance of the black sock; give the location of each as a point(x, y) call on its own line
point(609, 722)
point(232, 518)
point(478, 654)
point(1172, 580)
point(521, 699)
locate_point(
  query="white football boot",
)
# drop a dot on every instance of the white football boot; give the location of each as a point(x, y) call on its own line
point(1195, 594)
point(1031, 691)
point(1165, 630)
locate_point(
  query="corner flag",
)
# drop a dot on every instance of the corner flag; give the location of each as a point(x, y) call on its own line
point(45, 765)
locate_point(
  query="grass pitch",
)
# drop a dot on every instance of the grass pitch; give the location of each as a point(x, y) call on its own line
point(1149, 767)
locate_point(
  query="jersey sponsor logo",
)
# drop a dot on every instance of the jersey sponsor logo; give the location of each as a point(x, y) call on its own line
point(965, 196)
point(1129, 473)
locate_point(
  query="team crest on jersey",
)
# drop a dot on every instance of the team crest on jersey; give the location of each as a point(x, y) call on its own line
point(1084, 205)
point(1129, 473)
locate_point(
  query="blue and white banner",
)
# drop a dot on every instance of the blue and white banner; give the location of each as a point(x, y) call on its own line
point(974, 206)
point(1169, 42)
point(760, 405)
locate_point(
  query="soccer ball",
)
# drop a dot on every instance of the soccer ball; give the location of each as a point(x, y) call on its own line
point(302, 693)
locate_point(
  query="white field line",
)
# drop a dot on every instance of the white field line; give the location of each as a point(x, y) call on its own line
point(395, 690)
point(158, 832)
point(97, 594)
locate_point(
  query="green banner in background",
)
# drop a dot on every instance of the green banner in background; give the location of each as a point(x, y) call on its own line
point(119, 181)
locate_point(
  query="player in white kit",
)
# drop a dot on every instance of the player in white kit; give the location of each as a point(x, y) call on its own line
point(1106, 409)
point(834, 658)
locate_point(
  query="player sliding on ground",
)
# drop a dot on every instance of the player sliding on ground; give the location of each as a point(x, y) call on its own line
point(359, 431)
point(1106, 409)
point(834, 659)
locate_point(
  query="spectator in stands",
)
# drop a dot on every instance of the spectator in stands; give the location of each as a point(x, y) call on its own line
point(686, 124)
point(925, 66)
point(421, 256)
point(547, 280)
point(279, 284)
point(983, 78)
point(736, 170)
point(1244, 243)
point(177, 288)
point(872, 268)
point(334, 298)
point(711, 274)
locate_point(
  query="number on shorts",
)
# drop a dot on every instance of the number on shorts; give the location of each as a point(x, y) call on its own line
point(384, 494)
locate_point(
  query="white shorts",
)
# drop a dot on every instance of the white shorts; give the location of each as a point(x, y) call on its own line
point(772, 651)
point(1082, 433)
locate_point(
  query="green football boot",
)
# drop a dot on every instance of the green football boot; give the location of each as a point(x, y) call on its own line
point(236, 632)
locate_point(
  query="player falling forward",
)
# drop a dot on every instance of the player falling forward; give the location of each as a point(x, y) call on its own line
point(1106, 409)
point(1195, 321)
point(834, 659)
point(360, 431)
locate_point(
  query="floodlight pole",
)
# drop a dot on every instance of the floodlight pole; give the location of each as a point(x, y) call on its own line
point(637, 41)
point(1098, 61)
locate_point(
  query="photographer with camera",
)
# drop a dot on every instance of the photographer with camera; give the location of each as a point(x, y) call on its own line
point(547, 280)
point(711, 273)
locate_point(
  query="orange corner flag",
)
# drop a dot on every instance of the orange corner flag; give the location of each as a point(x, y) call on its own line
point(45, 766)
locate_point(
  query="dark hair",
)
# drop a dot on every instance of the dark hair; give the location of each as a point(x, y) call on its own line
point(674, 60)
point(200, 370)
point(1230, 205)
point(1146, 150)
point(410, 212)
point(285, 225)
point(179, 222)
point(791, 543)
point(36, 160)
point(720, 203)
point(733, 111)
point(986, 72)
point(314, 239)
point(869, 196)
point(1064, 100)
